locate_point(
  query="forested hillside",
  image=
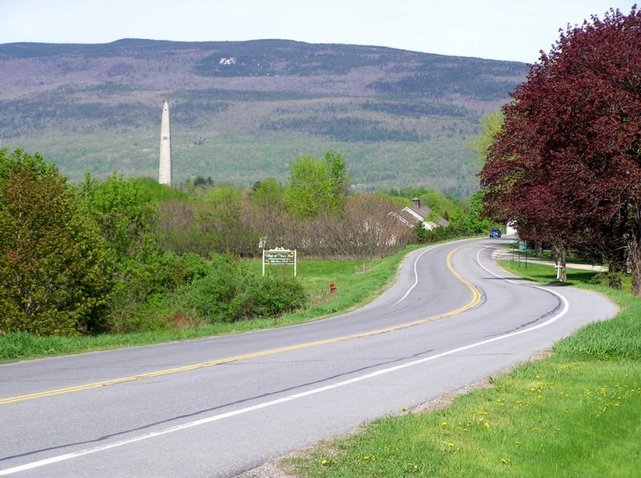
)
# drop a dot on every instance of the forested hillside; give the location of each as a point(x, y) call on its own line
point(241, 111)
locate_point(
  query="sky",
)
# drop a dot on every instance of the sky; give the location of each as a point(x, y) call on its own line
point(494, 29)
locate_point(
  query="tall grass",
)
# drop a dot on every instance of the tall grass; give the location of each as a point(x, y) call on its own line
point(619, 338)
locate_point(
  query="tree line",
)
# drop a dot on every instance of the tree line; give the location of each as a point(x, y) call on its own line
point(123, 255)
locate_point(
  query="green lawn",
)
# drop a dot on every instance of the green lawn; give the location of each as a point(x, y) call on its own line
point(356, 281)
point(576, 413)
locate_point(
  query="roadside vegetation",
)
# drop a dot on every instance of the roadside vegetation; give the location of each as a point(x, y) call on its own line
point(356, 281)
point(113, 262)
point(574, 413)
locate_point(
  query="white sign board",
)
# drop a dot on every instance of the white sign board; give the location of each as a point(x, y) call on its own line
point(523, 247)
point(279, 256)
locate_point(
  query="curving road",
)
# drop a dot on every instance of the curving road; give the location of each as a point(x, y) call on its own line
point(220, 406)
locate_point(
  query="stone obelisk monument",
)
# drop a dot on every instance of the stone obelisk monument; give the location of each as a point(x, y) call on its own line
point(164, 171)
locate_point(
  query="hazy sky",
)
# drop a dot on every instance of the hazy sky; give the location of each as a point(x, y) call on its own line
point(497, 29)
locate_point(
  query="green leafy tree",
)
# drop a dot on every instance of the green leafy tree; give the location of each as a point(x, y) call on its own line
point(491, 126)
point(317, 186)
point(152, 192)
point(338, 178)
point(122, 212)
point(54, 269)
point(476, 221)
point(268, 195)
point(309, 191)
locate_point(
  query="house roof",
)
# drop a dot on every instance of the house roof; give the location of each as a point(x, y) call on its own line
point(419, 213)
point(412, 215)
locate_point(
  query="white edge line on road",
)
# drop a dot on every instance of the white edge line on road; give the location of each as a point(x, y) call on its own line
point(289, 398)
point(415, 277)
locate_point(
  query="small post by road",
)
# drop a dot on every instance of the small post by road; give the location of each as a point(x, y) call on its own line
point(523, 251)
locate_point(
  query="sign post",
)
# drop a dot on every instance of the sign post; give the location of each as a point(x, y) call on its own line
point(523, 250)
point(523, 247)
point(280, 256)
point(519, 251)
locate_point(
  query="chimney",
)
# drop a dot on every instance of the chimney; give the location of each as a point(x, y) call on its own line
point(417, 202)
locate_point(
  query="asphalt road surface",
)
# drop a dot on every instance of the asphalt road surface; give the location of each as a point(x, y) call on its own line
point(217, 407)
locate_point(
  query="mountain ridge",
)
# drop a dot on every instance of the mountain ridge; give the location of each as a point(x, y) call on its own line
point(259, 103)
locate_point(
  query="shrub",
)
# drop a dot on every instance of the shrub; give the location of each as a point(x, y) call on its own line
point(229, 292)
point(424, 236)
point(144, 286)
point(164, 290)
point(210, 297)
point(54, 268)
point(613, 280)
point(271, 297)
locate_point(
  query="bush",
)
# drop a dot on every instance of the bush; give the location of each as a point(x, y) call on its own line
point(54, 268)
point(163, 291)
point(144, 287)
point(613, 280)
point(210, 297)
point(440, 233)
point(229, 293)
point(271, 297)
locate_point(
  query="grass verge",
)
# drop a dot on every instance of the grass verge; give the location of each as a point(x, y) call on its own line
point(575, 413)
point(356, 281)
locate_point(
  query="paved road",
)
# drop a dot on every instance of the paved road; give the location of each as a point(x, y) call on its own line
point(219, 406)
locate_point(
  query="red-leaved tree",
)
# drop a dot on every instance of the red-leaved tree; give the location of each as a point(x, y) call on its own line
point(567, 162)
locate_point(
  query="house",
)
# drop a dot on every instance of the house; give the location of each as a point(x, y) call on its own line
point(410, 215)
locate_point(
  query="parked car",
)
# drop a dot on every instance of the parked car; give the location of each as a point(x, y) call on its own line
point(495, 233)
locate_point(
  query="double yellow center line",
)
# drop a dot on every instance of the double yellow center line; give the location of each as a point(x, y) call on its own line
point(476, 299)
